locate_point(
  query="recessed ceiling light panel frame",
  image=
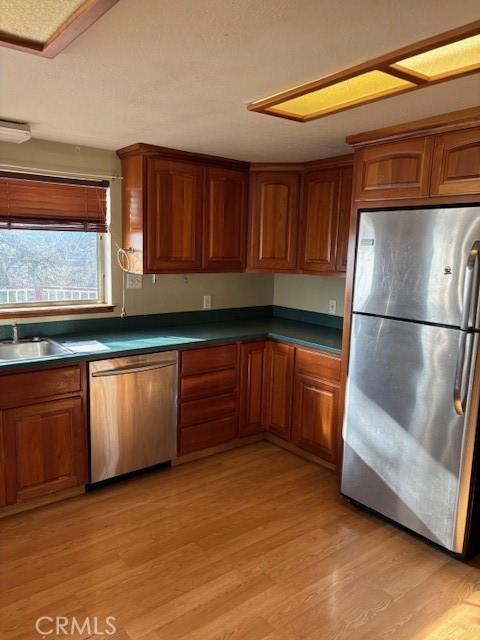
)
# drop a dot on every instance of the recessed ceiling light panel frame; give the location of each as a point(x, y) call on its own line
point(18, 33)
point(449, 55)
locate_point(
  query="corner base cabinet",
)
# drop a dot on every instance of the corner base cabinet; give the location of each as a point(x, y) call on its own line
point(289, 391)
point(43, 434)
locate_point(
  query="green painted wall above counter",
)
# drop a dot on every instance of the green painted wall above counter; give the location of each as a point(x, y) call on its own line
point(309, 293)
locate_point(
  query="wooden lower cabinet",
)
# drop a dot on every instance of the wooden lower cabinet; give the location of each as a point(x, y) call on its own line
point(43, 437)
point(315, 411)
point(45, 449)
point(208, 434)
point(291, 392)
point(278, 384)
point(315, 403)
point(252, 391)
point(208, 397)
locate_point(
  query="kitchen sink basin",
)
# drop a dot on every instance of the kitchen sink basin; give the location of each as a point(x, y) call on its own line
point(30, 349)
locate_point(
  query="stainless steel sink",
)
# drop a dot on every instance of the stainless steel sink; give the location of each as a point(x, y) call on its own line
point(31, 349)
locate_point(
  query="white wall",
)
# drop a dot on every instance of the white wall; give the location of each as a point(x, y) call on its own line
point(310, 293)
point(174, 292)
point(171, 292)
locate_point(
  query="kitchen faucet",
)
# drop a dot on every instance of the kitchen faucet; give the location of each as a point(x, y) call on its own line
point(15, 333)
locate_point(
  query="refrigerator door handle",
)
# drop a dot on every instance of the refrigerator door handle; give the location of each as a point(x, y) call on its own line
point(468, 285)
point(464, 361)
point(464, 353)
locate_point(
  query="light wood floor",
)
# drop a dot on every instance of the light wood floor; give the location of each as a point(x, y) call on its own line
point(252, 544)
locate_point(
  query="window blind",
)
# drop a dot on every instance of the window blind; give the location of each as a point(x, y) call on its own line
point(61, 204)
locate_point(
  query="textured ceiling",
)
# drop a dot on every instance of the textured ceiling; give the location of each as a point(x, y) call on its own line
point(35, 20)
point(180, 74)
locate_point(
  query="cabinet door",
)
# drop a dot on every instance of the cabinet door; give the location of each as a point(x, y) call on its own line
point(320, 220)
point(456, 163)
point(45, 449)
point(279, 384)
point(252, 390)
point(3, 467)
point(225, 220)
point(174, 217)
point(344, 208)
point(274, 211)
point(394, 170)
point(315, 415)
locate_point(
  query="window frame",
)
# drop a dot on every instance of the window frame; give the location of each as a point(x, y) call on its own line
point(102, 304)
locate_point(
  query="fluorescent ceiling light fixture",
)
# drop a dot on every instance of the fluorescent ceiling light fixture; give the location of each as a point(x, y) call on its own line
point(443, 62)
point(449, 55)
point(46, 28)
point(343, 94)
point(33, 20)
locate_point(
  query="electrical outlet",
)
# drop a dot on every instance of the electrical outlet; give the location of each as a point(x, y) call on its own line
point(207, 302)
point(332, 306)
point(134, 281)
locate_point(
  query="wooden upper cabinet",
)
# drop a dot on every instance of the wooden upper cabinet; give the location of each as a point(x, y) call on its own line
point(344, 208)
point(456, 163)
point(252, 388)
point(183, 212)
point(274, 210)
point(225, 220)
point(45, 449)
point(279, 381)
point(394, 170)
point(174, 216)
point(320, 219)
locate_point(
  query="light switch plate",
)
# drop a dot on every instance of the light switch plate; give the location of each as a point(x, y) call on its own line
point(207, 302)
point(332, 307)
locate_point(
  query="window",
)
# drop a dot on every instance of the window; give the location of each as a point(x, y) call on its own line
point(52, 243)
point(50, 267)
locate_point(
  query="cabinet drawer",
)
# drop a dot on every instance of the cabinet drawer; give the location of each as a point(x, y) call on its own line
point(21, 388)
point(209, 359)
point(318, 364)
point(208, 434)
point(208, 384)
point(207, 409)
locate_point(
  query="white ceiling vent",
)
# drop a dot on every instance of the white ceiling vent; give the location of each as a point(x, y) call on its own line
point(14, 132)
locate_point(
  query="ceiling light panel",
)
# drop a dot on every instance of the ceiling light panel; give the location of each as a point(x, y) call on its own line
point(34, 20)
point(449, 55)
point(453, 58)
point(340, 95)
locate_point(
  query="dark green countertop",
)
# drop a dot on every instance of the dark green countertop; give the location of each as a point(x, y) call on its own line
point(122, 343)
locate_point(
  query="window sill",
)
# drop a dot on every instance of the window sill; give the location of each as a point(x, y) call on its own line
point(40, 312)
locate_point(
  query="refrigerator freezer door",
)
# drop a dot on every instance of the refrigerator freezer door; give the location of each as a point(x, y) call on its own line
point(411, 263)
point(404, 443)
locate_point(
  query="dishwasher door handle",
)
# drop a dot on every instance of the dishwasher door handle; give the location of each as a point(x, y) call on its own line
point(134, 368)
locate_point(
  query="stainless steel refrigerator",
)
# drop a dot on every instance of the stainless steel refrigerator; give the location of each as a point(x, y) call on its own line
point(413, 378)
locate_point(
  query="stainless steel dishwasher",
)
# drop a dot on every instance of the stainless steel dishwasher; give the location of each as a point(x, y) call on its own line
point(133, 420)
